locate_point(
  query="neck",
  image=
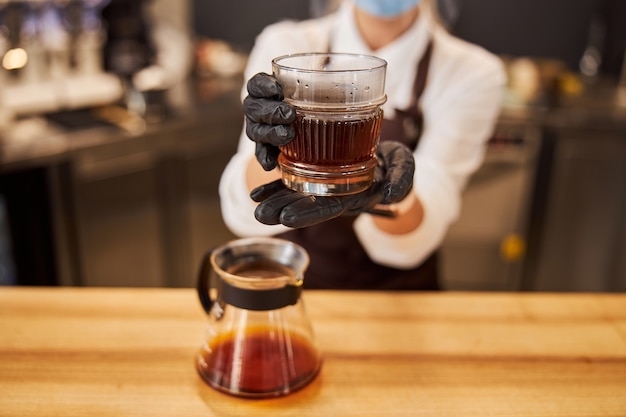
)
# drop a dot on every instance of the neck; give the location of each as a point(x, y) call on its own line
point(378, 32)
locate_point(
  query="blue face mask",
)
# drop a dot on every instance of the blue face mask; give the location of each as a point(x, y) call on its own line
point(386, 8)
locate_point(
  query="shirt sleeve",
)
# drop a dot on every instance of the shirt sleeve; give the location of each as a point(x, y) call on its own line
point(460, 105)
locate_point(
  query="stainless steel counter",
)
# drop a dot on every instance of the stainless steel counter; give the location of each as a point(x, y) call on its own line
point(47, 139)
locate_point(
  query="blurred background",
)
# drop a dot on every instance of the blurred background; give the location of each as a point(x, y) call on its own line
point(118, 116)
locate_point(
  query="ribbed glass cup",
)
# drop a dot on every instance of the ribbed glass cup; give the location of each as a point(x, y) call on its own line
point(338, 99)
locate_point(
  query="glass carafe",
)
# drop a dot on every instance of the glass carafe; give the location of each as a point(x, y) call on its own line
point(259, 341)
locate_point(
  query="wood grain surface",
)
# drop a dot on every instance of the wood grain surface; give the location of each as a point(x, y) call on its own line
point(130, 352)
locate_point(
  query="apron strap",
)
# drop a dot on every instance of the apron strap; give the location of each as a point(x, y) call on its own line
point(422, 73)
point(407, 125)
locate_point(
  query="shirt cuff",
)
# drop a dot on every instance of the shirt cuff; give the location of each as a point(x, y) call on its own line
point(400, 251)
point(237, 206)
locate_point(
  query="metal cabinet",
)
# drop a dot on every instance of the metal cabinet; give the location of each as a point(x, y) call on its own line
point(581, 245)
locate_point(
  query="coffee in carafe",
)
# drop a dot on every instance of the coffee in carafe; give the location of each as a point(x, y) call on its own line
point(265, 361)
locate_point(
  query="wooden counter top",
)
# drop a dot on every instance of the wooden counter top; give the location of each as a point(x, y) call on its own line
point(130, 352)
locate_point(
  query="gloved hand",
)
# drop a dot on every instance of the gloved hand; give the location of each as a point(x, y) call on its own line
point(268, 118)
point(393, 181)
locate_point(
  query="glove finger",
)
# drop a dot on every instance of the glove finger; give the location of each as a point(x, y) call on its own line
point(277, 135)
point(269, 211)
point(399, 167)
point(267, 155)
point(311, 210)
point(268, 111)
point(262, 192)
point(264, 85)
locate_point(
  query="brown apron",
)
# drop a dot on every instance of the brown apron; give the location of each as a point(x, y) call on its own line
point(337, 259)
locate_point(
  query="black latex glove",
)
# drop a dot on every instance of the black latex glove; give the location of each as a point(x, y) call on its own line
point(392, 182)
point(268, 118)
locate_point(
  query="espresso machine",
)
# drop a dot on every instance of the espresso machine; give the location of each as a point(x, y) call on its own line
point(63, 55)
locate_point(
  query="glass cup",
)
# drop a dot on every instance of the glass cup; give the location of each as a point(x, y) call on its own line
point(338, 99)
point(259, 342)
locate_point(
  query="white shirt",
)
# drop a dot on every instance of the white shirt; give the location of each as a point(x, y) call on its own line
point(460, 106)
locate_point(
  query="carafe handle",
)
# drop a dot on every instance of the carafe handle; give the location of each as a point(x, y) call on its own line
point(203, 284)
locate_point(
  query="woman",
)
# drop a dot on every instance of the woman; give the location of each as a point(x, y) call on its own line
point(443, 98)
